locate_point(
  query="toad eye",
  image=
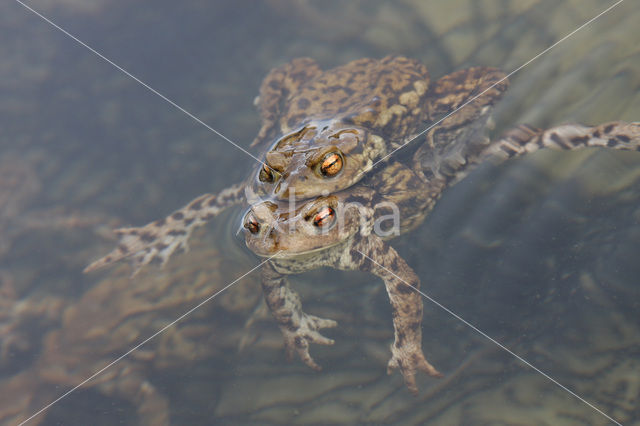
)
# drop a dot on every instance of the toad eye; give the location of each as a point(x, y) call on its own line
point(251, 224)
point(266, 174)
point(324, 217)
point(331, 164)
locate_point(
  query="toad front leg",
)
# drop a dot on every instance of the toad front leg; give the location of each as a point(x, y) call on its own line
point(374, 255)
point(299, 329)
point(157, 241)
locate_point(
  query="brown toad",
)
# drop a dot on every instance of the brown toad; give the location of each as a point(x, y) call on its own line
point(330, 127)
point(344, 231)
point(337, 231)
point(413, 187)
point(327, 129)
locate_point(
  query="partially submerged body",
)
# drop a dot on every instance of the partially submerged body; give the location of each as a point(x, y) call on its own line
point(354, 246)
point(343, 231)
point(338, 231)
point(328, 129)
point(323, 131)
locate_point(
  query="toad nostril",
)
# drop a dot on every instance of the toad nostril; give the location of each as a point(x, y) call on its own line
point(273, 237)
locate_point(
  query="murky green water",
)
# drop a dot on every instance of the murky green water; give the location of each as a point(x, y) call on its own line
point(538, 253)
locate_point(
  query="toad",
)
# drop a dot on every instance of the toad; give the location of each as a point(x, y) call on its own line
point(411, 185)
point(324, 130)
point(345, 230)
point(327, 129)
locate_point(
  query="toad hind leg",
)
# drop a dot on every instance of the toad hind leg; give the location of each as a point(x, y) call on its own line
point(299, 329)
point(525, 139)
point(157, 241)
point(374, 255)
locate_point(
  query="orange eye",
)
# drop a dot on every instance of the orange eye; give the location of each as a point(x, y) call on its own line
point(324, 217)
point(251, 224)
point(331, 164)
point(266, 174)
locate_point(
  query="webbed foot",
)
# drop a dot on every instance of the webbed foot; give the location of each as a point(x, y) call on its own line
point(409, 361)
point(298, 340)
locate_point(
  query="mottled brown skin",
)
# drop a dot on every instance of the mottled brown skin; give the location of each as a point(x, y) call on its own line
point(363, 111)
point(452, 147)
point(472, 93)
point(364, 92)
point(295, 243)
point(525, 139)
point(158, 240)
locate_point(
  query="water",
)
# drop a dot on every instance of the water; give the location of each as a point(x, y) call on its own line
point(538, 253)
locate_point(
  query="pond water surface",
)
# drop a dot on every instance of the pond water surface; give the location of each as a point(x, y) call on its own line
point(539, 253)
